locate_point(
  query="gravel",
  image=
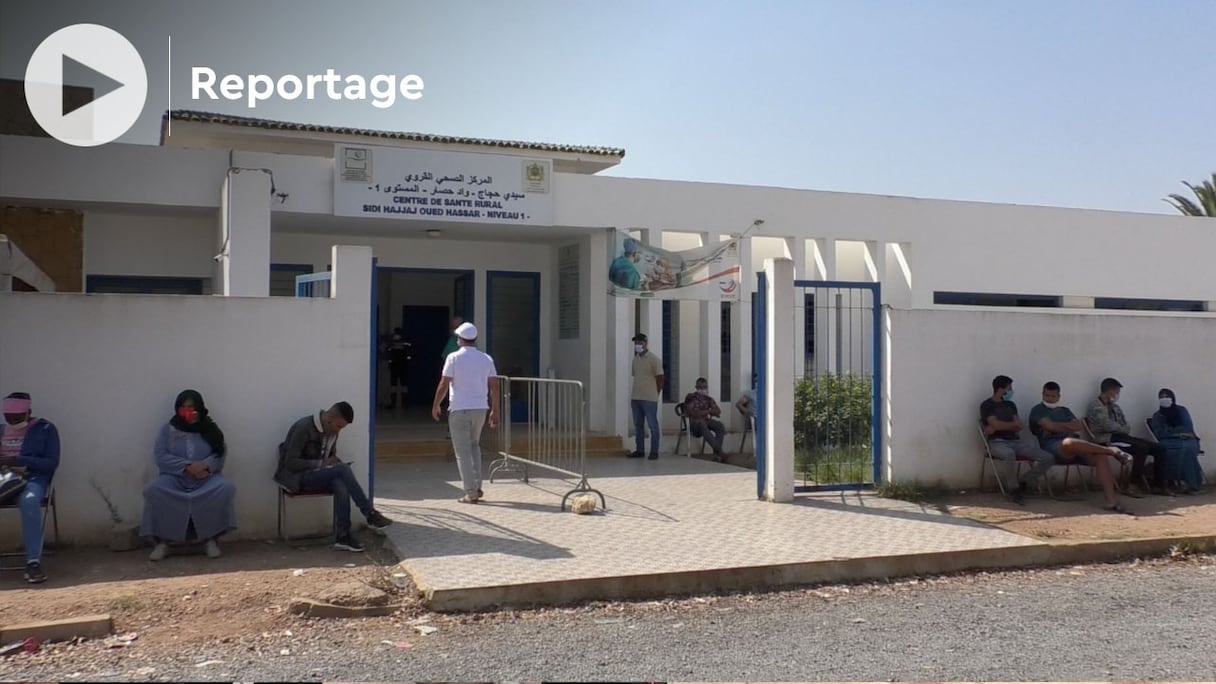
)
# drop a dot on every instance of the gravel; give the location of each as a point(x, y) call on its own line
point(1146, 620)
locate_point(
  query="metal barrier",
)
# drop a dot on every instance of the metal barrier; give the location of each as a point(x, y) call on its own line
point(551, 432)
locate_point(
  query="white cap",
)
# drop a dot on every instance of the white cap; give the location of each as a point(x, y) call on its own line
point(466, 331)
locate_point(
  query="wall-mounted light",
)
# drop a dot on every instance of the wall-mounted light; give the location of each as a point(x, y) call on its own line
point(433, 232)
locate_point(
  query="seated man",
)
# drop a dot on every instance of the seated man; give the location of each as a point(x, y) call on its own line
point(1107, 422)
point(1003, 428)
point(746, 403)
point(1058, 430)
point(308, 462)
point(29, 446)
point(702, 413)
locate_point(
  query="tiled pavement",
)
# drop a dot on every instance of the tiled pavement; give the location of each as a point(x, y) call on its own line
point(672, 525)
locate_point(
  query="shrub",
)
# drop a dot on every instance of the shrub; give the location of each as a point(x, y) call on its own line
point(832, 411)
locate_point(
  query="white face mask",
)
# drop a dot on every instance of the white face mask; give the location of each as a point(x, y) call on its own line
point(1165, 402)
point(638, 349)
point(1051, 404)
point(702, 391)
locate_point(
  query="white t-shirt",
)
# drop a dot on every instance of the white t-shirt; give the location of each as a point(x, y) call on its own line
point(470, 370)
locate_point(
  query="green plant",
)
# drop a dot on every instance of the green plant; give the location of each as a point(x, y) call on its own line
point(1205, 192)
point(833, 411)
point(835, 466)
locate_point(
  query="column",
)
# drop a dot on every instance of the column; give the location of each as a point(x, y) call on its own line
point(245, 234)
point(795, 248)
point(741, 365)
point(711, 337)
point(823, 265)
point(597, 328)
point(897, 285)
point(652, 317)
point(779, 394)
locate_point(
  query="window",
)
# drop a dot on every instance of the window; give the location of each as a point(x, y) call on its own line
point(146, 285)
point(671, 325)
point(283, 278)
point(995, 299)
point(1147, 304)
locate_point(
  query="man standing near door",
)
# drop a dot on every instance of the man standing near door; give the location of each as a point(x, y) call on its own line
point(644, 400)
point(470, 382)
point(453, 344)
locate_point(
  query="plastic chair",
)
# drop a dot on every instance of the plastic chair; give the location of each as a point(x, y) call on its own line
point(684, 432)
point(748, 427)
point(996, 470)
point(49, 511)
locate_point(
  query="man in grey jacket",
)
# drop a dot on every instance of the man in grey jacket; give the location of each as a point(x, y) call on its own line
point(308, 462)
point(1109, 426)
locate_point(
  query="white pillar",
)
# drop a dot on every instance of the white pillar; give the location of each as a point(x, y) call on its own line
point(897, 285)
point(597, 329)
point(620, 348)
point(652, 316)
point(779, 394)
point(352, 288)
point(711, 336)
point(795, 248)
point(741, 368)
point(245, 234)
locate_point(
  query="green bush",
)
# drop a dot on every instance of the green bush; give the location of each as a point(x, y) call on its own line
point(832, 411)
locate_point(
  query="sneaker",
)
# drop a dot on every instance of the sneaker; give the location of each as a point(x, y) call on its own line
point(348, 543)
point(34, 573)
point(212, 548)
point(635, 454)
point(159, 552)
point(376, 521)
point(1018, 496)
point(652, 457)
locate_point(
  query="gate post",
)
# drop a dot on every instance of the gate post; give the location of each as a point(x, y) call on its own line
point(779, 390)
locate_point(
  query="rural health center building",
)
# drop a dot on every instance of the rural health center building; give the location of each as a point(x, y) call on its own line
point(517, 237)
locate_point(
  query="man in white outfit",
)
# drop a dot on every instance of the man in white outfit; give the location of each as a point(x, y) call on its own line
point(470, 382)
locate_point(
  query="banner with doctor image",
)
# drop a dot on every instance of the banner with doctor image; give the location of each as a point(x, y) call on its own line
point(709, 273)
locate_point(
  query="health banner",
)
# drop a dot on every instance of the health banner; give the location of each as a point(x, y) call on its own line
point(709, 273)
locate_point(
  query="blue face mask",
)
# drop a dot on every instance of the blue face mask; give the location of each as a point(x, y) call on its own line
point(1008, 395)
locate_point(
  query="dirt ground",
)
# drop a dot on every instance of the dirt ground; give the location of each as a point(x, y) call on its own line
point(1079, 517)
point(241, 598)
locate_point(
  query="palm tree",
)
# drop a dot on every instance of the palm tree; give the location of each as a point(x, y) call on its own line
point(1205, 193)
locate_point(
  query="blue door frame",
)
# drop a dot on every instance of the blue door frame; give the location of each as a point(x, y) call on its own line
point(761, 357)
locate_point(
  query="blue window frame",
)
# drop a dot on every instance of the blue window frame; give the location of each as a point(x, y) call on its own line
point(283, 278)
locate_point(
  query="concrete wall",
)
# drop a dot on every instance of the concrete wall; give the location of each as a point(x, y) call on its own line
point(942, 363)
point(106, 368)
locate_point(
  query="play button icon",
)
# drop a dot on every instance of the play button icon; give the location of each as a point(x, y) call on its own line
point(93, 57)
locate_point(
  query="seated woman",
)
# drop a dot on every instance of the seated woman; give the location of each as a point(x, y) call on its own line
point(1172, 426)
point(190, 500)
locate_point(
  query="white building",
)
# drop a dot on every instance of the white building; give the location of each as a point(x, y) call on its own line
point(239, 207)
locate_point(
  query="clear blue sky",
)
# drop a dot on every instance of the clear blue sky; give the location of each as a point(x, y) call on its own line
point(1088, 103)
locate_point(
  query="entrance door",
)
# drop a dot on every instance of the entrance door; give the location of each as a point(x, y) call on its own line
point(428, 332)
point(513, 322)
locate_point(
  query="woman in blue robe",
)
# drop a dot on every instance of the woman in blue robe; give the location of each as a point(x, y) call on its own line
point(1172, 426)
point(189, 501)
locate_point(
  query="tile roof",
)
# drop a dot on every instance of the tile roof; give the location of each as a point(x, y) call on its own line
point(269, 124)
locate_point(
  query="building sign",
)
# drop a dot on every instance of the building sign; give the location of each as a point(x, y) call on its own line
point(567, 292)
point(709, 273)
point(429, 185)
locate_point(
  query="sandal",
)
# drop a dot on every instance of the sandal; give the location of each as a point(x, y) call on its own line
point(468, 499)
point(1118, 508)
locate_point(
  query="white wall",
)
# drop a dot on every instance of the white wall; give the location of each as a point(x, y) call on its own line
point(967, 246)
point(149, 245)
point(942, 363)
point(106, 368)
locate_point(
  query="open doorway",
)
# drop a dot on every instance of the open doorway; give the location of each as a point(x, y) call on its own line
point(421, 302)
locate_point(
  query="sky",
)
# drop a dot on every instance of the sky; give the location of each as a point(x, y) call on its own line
point(1103, 104)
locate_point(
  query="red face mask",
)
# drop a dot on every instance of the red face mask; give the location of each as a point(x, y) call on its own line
point(187, 414)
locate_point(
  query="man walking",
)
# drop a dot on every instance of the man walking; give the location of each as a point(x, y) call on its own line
point(644, 400)
point(469, 381)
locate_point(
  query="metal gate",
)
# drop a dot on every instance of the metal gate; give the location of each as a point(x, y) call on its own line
point(838, 384)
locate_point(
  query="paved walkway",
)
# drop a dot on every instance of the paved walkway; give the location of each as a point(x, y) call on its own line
point(674, 525)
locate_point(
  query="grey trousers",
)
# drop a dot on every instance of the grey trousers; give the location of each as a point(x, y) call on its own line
point(465, 426)
point(1025, 447)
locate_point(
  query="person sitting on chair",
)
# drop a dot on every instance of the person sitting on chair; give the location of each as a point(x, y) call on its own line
point(189, 500)
point(1172, 426)
point(702, 413)
point(308, 462)
point(1059, 430)
point(30, 447)
point(1003, 429)
point(1108, 424)
point(746, 403)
